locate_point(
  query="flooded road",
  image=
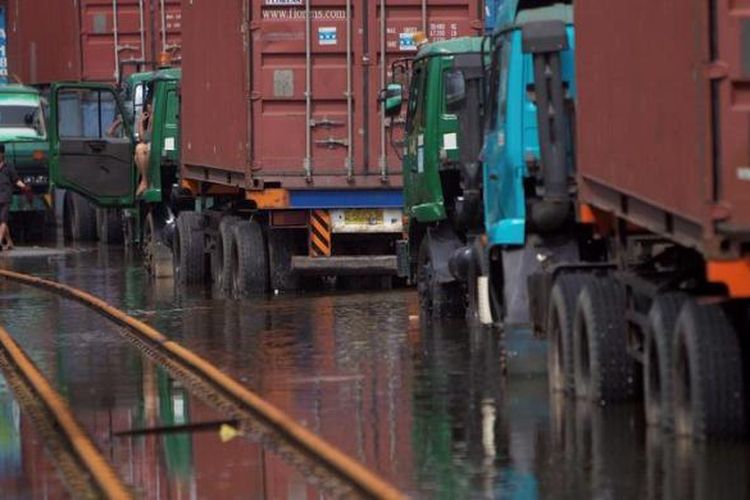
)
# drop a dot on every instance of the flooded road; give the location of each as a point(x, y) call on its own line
point(426, 407)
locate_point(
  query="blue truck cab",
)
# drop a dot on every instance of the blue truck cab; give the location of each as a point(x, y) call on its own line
point(524, 143)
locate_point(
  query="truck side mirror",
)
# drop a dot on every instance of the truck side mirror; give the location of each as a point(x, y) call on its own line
point(455, 89)
point(392, 96)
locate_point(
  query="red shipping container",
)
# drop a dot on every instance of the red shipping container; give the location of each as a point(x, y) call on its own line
point(664, 117)
point(283, 93)
point(53, 40)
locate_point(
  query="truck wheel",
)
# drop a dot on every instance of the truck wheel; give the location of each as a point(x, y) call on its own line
point(437, 300)
point(156, 254)
point(280, 251)
point(249, 259)
point(708, 386)
point(79, 217)
point(188, 250)
point(221, 257)
point(560, 317)
point(604, 372)
point(109, 225)
point(657, 358)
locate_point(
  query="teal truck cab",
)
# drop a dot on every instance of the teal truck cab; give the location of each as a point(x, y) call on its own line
point(469, 208)
point(23, 130)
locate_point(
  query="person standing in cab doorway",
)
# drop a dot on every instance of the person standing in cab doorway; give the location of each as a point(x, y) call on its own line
point(8, 180)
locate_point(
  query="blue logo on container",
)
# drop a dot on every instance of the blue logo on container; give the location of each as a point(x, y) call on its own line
point(406, 42)
point(3, 49)
point(327, 36)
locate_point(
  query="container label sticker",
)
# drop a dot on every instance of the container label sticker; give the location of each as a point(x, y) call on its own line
point(406, 42)
point(284, 2)
point(283, 83)
point(743, 173)
point(327, 36)
point(169, 144)
point(450, 141)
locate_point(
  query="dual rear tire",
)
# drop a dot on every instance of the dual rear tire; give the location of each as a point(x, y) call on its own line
point(692, 372)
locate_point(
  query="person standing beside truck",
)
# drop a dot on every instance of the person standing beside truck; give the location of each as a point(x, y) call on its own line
point(8, 179)
point(143, 148)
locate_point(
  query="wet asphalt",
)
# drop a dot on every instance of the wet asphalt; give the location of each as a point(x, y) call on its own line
point(440, 410)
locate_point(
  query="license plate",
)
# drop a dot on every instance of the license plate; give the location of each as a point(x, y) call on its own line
point(363, 216)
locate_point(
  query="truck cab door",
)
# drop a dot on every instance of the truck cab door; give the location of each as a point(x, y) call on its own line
point(91, 145)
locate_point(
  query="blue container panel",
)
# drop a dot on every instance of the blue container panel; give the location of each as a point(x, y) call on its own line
point(346, 198)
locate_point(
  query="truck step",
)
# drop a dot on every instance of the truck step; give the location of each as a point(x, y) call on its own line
point(346, 265)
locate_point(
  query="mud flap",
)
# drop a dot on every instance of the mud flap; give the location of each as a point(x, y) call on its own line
point(443, 244)
point(518, 265)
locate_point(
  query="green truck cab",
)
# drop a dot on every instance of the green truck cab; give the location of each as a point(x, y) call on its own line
point(23, 130)
point(441, 145)
point(92, 137)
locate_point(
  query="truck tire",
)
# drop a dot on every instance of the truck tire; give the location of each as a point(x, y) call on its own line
point(657, 358)
point(157, 256)
point(708, 386)
point(221, 257)
point(280, 251)
point(249, 259)
point(79, 218)
point(437, 300)
point(188, 250)
point(109, 226)
point(560, 316)
point(604, 372)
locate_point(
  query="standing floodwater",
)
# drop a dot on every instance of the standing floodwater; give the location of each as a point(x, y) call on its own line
point(426, 407)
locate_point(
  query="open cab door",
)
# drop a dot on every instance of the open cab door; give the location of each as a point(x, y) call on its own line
point(91, 144)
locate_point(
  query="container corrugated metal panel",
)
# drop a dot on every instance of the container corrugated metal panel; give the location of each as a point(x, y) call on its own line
point(52, 40)
point(245, 115)
point(664, 136)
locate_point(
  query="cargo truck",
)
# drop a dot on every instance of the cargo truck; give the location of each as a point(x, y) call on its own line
point(662, 171)
point(91, 41)
point(268, 189)
point(470, 200)
point(23, 130)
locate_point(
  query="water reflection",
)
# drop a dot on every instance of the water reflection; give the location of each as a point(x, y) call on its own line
point(26, 471)
point(426, 406)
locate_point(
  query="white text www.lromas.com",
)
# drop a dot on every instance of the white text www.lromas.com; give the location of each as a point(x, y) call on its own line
point(293, 14)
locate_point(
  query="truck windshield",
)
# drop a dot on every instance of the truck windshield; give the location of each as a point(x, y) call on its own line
point(27, 117)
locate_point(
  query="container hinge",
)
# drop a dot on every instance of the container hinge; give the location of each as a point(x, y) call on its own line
point(325, 122)
point(121, 48)
point(716, 70)
point(332, 142)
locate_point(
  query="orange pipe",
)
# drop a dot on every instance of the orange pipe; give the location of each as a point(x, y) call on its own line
point(345, 467)
point(102, 472)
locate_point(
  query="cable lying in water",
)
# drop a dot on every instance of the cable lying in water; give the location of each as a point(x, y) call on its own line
point(86, 472)
point(346, 469)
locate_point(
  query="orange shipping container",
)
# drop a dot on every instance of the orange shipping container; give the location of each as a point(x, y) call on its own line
point(283, 93)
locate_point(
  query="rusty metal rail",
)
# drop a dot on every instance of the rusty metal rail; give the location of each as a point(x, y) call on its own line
point(85, 471)
point(187, 364)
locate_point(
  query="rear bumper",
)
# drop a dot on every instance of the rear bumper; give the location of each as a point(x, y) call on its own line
point(346, 265)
